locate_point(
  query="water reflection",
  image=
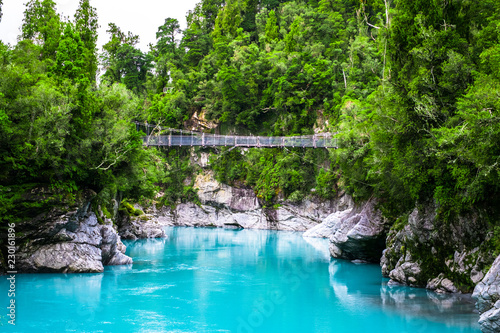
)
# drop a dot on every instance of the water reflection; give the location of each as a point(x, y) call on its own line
point(347, 281)
point(215, 280)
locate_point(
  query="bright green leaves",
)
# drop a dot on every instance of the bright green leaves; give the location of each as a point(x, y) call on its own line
point(326, 184)
point(271, 28)
point(228, 21)
point(490, 60)
point(71, 57)
point(292, 39)
point(166, 52)
point(42, 23)
point(125, 63)
point(86, 24)
point(166, 37)
point(167, 109)
point(470, 146)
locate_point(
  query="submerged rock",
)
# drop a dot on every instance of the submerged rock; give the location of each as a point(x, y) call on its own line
point(69, 240)
point(357, 234)
point(487, 295)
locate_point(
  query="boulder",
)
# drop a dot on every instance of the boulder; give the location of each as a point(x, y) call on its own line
point(440, 284)
point(69, 240)
point(326, 228)
point(358, 234)
point(139, 227)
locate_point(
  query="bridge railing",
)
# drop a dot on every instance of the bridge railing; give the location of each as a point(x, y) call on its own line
point(157, 136)
point(313, 141)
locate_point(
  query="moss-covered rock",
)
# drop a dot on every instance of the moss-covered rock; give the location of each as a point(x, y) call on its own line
point(425, 250)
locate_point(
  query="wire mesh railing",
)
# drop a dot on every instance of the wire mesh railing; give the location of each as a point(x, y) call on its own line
point(157, 136)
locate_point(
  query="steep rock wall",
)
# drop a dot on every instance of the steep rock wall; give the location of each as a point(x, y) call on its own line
point(226, 206)
point(487, 294)
point(68, 239)
point(445, 256)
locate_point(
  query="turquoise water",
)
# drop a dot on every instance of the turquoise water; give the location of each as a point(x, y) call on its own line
point(215, 280)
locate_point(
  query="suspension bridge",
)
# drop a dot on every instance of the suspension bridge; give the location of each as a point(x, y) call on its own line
point(158, 136)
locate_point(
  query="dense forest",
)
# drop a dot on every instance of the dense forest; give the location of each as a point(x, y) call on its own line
point(411, 86)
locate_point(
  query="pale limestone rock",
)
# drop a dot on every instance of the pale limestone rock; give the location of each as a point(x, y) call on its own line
point(357, 234)
point(487, 295)
point(70, 242)
point(441, 284)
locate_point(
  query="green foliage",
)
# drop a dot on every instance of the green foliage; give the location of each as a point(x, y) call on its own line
point(272, 27)
point(326, 184)
point(127, 208)
point(125, 63)
point(269, 172)
point(86, 24)
point(411, 86)
point(42, 24)
point(177, 169)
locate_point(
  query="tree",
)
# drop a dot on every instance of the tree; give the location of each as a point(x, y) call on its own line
point(166, 37)
point(42, 24)
point(166, 50)
point(86, 24)
point(71, 57)
point(272, 27)
point(123, 62)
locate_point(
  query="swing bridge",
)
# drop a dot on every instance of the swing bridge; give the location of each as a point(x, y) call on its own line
point(158, 136)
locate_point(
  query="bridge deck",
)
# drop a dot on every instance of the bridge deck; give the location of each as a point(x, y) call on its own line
point(203, 139)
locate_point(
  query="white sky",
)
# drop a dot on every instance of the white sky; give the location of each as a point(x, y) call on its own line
point(141, 17)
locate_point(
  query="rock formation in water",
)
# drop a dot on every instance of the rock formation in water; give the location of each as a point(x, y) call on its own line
point(487, 294)
point(69, 239)
point(359, 234)
point(445, 256)
point(355, 234)
point(138, 227)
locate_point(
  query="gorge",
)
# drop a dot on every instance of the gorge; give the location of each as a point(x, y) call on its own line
point(397, 103)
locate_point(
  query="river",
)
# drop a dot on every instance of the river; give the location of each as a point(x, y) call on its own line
point(226, 280)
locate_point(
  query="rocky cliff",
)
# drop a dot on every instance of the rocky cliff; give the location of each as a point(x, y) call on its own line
point(443, 255)
point(487, 294)
point(356, 233)
point(68, 238)
point(226, 206)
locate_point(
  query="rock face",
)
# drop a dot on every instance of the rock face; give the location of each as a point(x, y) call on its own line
point(357, 233)
point(67, 240)
point(487, 294)
point(226, 206)
point(134, 227)
point(327, 228)
point(423, 251)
